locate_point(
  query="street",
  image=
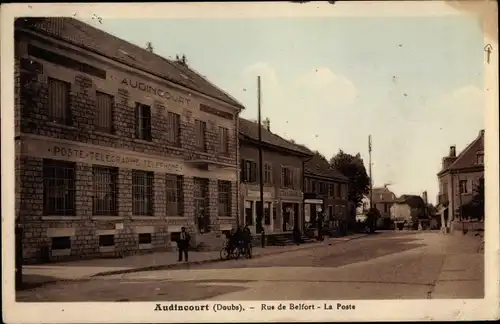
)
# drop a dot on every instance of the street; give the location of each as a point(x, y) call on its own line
point(390, 265)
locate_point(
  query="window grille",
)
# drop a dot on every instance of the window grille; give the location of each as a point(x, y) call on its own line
point(224, 198)
point(105, 191)
point(59, 188)
point(142, 193)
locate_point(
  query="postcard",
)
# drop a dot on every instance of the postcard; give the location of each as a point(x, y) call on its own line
point(250, 162)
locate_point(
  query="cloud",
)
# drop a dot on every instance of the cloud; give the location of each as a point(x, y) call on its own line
point(465, 104)
point(329, 87)
point(268, 76)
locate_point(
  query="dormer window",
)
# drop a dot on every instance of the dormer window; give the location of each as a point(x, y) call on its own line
point(480, 158)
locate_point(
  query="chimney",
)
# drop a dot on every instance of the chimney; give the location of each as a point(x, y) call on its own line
point(481, 132)
point(424, 196)
point(453, 151)
point(267, 124)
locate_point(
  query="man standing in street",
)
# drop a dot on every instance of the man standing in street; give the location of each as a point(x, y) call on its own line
point(183, 244)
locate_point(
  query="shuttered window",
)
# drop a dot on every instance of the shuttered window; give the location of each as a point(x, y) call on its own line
point(104, 113)
point(201, 129)
point(173, 128)
point(223, 140)
point(58, 105)
point(248, 171)
point(143, 122)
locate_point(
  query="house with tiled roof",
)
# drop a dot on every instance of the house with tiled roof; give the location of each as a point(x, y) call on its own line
point(325, 191)
point(408, 209)
point(458, 178)
point(118, 147)
point(382, 199)
point(282, 178)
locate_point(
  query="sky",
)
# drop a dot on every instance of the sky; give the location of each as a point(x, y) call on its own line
point(414, 83)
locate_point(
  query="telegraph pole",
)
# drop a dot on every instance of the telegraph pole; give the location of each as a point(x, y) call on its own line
point(370, 168)
point(261, 164)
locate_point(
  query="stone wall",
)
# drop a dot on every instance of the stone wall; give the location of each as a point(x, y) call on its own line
point(84, 228)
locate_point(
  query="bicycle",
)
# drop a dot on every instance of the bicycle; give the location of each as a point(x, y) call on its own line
point(226, 253)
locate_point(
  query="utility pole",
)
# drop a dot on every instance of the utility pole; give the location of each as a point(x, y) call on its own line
point(261, 165)
point(370, 168)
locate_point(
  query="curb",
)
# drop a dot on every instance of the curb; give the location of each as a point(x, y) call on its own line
point(208, 261)
point(187, 264)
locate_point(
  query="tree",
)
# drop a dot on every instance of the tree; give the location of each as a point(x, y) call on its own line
point(475, 208)
point(372, 217)
point(353, 168)
point(149, 47)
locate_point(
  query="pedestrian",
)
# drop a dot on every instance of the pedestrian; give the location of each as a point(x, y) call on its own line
point(183, 244)
point(297, 235)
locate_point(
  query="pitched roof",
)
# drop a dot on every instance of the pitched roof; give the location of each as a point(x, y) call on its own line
point(318, 165)
point(467, 158)
point(413, 201)
point(84, 35)
point(387, 195)
point(250, 129)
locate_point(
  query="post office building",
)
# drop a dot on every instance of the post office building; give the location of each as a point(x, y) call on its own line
point(117, 148)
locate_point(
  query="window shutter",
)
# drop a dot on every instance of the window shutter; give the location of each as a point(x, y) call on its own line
point(147, 123)
point(242, 170)
point(254, 172)
point(283, 177)
point(137, 120)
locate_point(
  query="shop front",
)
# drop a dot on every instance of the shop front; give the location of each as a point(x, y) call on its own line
point(313, 207)
point(252, 206)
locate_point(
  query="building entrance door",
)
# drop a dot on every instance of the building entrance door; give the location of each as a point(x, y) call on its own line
point(201, 205)
point(288, 214)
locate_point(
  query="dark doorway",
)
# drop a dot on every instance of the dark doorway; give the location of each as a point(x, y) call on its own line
point(202, 216)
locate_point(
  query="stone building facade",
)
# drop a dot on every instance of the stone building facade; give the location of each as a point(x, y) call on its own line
point(283, 174)
point(325, 191)
point(459, 177)
point(116, 147)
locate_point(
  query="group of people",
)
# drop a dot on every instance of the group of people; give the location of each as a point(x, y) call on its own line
point(241, 238)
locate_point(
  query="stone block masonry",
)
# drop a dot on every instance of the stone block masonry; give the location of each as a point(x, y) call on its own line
point(79, 232)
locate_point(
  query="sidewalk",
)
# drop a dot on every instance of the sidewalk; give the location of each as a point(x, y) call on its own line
point(86, 269)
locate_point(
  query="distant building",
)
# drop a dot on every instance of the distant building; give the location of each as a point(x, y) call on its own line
point(325, 190)
point(382, 199)
point(408, 209)
point(283, 174)
point(458, 178)
point(365, 206)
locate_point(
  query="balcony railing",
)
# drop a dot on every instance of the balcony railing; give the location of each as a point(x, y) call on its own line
point(443, 199)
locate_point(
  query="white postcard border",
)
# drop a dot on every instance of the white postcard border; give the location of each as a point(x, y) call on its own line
point(373, 310)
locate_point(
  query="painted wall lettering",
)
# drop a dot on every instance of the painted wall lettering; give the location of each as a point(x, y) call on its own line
point(113, 159)
point(156, 91)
